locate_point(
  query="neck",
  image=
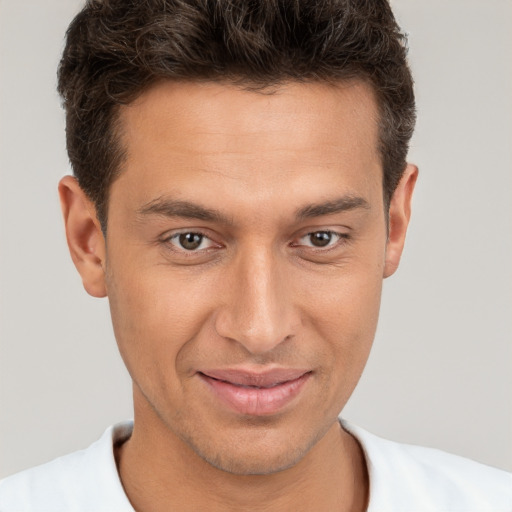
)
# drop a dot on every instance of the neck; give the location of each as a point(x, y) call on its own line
point(157, 469)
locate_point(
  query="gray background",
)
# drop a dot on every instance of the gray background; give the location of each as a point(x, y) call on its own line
point(440, 372)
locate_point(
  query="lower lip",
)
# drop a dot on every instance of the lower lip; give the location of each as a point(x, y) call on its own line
point(257, 401)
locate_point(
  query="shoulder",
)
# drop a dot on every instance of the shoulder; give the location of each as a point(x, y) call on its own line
point(81, 481)
point(406, 477)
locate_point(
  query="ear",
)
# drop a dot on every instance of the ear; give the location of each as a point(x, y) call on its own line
point(84, 235)
point(399, 215)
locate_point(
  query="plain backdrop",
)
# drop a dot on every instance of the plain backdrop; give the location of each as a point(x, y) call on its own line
point(440, 371)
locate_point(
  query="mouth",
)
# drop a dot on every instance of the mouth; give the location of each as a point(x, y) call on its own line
point(256, 394)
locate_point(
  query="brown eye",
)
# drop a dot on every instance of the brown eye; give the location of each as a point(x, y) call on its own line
point(320, 238)
point(190, 241)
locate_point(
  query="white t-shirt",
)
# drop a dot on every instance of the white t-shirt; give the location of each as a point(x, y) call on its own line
point(403, 478)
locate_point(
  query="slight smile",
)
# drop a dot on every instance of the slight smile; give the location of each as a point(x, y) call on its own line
point(256, 394)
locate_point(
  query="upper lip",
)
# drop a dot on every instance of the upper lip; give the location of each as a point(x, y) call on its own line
point(264, 379)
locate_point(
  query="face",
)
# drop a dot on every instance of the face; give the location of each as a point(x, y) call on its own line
point(246, 247)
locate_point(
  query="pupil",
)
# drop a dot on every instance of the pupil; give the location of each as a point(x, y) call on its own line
point(321, 238)
point(190, 241)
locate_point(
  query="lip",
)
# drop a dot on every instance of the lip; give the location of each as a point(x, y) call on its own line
point(256, 393)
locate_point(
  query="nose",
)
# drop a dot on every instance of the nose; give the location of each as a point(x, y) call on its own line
point(258, 311)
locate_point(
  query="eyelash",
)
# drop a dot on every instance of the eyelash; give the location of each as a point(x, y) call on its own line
point(342, 238)
point(175, 236)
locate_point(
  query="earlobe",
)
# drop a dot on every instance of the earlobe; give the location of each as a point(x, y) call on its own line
point(399, 216)
point(84, 236)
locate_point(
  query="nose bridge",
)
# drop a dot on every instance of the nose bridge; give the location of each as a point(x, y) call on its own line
point(258, 313)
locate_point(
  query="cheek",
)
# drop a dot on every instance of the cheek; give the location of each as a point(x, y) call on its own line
point(154, 317)
point(345, 300)
point(344, 315)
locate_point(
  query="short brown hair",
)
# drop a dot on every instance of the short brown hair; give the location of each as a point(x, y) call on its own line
point(115, 49)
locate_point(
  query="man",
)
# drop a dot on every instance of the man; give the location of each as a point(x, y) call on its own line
point(241, 191)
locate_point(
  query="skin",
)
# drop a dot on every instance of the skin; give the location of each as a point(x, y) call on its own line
point(270, 170)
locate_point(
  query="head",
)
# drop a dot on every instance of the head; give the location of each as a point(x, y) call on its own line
point(117, 49)
point(242, 191)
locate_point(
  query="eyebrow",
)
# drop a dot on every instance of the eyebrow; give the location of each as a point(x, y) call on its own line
point(341, 204)
point(167, 207)
point(184, 209)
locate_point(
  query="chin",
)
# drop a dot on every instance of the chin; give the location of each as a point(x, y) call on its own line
point(250, 463)
point(258, 453)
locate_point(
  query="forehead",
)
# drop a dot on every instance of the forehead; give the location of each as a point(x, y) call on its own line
point(211, 108)
point(179, 135)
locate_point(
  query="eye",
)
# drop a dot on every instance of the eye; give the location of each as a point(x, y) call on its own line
point(190, 241)
point(320, 239)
